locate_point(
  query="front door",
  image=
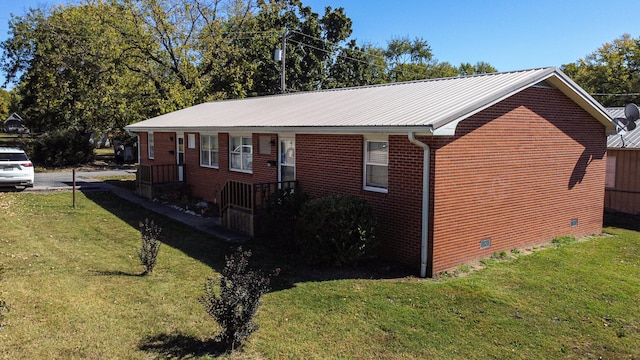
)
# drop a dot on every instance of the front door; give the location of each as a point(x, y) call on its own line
point(180, 155)
point(287, 159)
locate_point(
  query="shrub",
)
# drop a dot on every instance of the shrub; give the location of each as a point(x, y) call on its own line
point(63, 148)
point(236, 305)
point(337, 230)
point(150, 234)
point(279, 219)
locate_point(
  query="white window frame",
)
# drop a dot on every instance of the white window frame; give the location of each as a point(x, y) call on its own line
point(150, 146)
point(244, 167)
point(210, 164)
point(367, 163)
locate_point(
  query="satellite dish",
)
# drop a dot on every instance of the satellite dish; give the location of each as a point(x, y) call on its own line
point(631, 113)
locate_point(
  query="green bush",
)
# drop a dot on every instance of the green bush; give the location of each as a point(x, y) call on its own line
point(150, 235)
point(279, 220)
point(338, 230)
point(235, 301)
point(63, 148)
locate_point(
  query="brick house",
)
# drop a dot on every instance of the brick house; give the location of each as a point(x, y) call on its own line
point(455, 169)
point(622, 185)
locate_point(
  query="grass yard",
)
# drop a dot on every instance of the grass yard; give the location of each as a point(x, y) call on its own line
point(71, 282)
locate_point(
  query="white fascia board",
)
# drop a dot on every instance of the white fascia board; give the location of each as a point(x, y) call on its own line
point(473, 108)
point(583, 99)
point(338, 130)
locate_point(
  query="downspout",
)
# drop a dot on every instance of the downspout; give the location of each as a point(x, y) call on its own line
point(424, 248)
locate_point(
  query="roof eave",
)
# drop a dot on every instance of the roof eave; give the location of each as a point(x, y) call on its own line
point(573, 91)
point(555, 77)
point(419, 130)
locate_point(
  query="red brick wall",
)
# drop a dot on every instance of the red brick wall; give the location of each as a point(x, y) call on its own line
point(518, 173)
point(206, 183)
point(333, 164)
point(163, 143)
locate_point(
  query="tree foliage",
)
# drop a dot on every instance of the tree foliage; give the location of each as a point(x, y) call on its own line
point(611, 73)
point(5, 103)
point(68, 73)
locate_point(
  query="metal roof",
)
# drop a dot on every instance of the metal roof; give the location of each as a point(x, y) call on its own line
point(623, 139)
point(424, 105)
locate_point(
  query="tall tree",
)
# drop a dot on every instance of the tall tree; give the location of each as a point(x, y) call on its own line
point(62, 61)
point(184, 47)
point(480, 67)
point(413, 60)
point(611, 73)
point(356, 66)
point(312, 42)
point(5, 103)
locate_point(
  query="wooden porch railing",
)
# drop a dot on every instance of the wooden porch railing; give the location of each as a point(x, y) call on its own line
point(250, 197)
point(159, 174)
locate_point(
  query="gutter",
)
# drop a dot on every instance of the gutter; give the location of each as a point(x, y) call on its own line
point(424, 248)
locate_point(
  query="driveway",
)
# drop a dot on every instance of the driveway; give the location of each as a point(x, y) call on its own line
point(64, 179)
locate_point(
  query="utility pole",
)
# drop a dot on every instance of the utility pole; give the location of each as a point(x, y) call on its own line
point(283, 85)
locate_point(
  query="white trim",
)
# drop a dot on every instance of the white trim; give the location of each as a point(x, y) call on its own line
point(380, 139)
point(210, 165)
point(334, 130)
point(138, 147)
point(281, 138)
point(151, 150)
point(180, 135)
point(242, 152)
point(426, 174)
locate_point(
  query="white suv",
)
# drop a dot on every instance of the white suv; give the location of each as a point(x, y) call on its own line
point(15, 168)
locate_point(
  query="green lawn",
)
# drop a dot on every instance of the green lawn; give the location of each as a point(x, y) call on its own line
point(71, 282)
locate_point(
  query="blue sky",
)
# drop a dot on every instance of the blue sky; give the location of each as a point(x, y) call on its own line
point(510, 35)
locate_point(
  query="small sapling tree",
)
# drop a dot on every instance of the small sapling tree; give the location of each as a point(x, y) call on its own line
point(235, 301)
point(150, 234)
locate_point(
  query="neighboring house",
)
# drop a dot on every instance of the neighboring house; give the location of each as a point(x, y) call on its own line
point(13, 124)
point(456, 169)
point(622, 186)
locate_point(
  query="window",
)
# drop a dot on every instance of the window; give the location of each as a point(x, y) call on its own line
point(376, 159)
point(240, 153)
point(150, 145)
point(209, 150)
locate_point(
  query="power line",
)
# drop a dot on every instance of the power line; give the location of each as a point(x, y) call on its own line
point(607, 94)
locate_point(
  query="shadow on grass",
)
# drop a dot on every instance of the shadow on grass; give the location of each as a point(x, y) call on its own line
point(622, 220)
point(115, 273)
point(212, 251)
point(196, 244)
point(180, 346)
